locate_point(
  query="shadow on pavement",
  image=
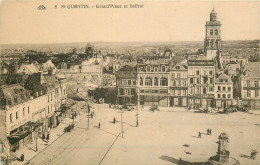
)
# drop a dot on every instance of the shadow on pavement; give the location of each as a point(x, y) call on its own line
point(245, 156)
point(181, 162)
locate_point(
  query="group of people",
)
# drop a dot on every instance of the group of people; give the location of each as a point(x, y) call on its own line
point(47, 137)
point(208, 132)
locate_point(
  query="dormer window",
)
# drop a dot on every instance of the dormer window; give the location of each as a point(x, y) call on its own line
point(148, 69)
point(177, 67)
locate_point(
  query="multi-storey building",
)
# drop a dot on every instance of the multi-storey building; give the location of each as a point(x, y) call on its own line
point(178, 85)
point(31, 110)
point(250, 86)
point(212, 43)
point(225, 59)
point(201, 78)
point(152, 82)
point(126, 85)
point(224, 91)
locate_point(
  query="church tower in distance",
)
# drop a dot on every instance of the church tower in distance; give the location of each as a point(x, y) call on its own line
point(212, 43)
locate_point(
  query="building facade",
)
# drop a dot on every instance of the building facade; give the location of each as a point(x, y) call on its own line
point(201, 83)
point(152, 82)
point(178, 85)
point(224, 91)
point(250, 86)
point(126, 85)
point(30, 111)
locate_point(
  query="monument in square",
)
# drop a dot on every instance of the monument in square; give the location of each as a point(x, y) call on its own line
point(222, 157)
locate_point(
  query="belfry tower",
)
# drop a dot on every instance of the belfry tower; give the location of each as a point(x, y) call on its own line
point(212, 43)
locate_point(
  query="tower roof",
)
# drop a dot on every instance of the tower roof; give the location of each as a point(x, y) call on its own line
point(213, 11)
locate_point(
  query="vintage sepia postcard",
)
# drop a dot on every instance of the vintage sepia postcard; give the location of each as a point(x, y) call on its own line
point(110, 82)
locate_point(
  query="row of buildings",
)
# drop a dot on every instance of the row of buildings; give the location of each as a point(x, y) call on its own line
point(192, 83)
point(30, 106)
point(198, 81)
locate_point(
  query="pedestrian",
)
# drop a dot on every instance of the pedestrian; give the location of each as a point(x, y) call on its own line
point(210, 132)
point(199, 135)
point(22, 158)
point(99, 125)
point(207, 131)
point(75, 115)
point(114, 120)
point(48, 136)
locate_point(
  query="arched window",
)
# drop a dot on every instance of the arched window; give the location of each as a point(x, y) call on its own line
point(156, 81)
point(141, 69)
point(211, 31)
point(163, 68)
point(155, 69)
point(148, 81)
point(163, 81)
point(141, 81)
point(148, 68)
point(216, 32)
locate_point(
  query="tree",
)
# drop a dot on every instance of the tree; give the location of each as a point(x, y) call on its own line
point(241, 71)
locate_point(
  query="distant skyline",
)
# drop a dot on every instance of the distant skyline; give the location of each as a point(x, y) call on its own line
point(158, 21)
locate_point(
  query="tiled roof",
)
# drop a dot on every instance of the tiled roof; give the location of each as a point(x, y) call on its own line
point(13, 94)
point(253, 69)
point(223, 76)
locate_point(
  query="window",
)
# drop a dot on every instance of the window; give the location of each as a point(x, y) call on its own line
point(248, 83)
point(134, 83)
point(191, 80)
point(211, 31)
point(229, 89)
point(205, 80)
point(224, 88)
point(224, 96)
point(198, 80)
point(148, 81)
point(28, 110)
point(184, 83)
point(129, 82)
point(121, 91)
point(256, 83)
point(216, 32)
point(248, 93)
point(11, 118)
point(256, 93)
point(178, 75)
point(155, 69)
point(179, 92)
point(163, 68)
point(155, 81)
point(16, 115)
point(197, 72)
point(218, 95)
point(141, 81)
point(229, 96)
point(132, 91)
point(211, 80)
point(210, 72)
point(48, 98)
point(15, 100)
point(23, 111)
point(48, 109)
point(148, 69)
point(219, 88)
point(211, 89)
point(119, 82)
point(204, 90)
point(173, 75)
point(163, 81)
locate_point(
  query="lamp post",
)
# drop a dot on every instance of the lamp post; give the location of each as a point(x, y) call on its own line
point(122, 122)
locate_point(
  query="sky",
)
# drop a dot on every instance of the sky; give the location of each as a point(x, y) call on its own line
point(157, 21)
